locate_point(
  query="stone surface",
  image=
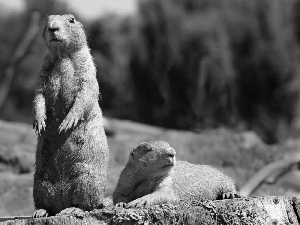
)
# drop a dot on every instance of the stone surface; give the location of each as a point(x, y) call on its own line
point(260, 210)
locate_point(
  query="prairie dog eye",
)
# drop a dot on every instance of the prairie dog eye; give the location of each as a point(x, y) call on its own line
point(72, 20)
point(147, 148)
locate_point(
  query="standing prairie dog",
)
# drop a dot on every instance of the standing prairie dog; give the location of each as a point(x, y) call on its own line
point(72, 153)
point(152, 176)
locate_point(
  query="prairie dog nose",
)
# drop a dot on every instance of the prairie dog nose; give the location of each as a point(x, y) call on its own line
point(171, 155)
point(54, 26)
point(171, 152)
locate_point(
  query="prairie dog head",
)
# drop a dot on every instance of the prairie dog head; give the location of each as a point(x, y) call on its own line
point(63, 33)
point(152, 159)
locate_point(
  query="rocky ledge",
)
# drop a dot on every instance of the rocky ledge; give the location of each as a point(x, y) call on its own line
point(257, 210)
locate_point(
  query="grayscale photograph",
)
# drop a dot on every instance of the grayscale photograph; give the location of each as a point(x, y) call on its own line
point(150, 112)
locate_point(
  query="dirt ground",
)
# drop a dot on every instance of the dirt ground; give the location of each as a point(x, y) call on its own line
point(240, 155)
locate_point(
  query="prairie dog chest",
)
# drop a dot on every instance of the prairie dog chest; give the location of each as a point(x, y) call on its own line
point(62, 82)
point(147, 186)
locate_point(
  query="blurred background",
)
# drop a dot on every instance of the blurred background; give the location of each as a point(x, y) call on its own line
point(182, 64)
point(217, 79)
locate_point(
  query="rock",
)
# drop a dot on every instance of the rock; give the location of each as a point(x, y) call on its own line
point(17, 147)
point(263, 210)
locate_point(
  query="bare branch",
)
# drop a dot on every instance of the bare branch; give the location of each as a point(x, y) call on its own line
point(19, 53)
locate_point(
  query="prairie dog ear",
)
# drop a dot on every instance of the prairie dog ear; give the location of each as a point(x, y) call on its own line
point(131, 153)
point(145, 147)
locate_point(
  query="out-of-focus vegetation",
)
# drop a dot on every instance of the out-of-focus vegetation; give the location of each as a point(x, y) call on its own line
point(184, 64)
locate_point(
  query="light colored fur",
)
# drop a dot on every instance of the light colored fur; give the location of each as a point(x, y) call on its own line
point(72, 153)
point(146, 180)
